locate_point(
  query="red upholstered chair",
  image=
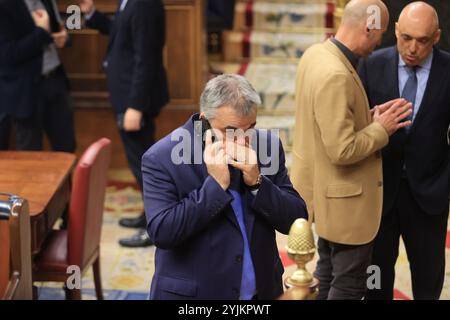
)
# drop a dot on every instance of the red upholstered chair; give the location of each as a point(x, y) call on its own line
point(80, 244)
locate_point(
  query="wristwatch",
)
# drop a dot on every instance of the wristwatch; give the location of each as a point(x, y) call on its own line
point(257, 184)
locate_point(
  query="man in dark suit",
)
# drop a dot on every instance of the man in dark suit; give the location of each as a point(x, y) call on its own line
point(213, 209)
point(33, 86)
point(416, 160)
point(136, 79)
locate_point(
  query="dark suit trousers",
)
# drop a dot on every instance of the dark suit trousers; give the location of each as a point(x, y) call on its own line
point(136, 143)
point(54, 116)
point(342, 270)
point(424, 238)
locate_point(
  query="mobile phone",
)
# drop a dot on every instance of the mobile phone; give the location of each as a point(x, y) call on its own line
point(205, 127)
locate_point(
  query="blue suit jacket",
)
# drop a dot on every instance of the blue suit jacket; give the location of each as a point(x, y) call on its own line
point(199, 244)
point(21, 54)
point(425, 150)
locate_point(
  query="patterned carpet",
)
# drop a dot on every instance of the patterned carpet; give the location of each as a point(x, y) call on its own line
point(126, 273)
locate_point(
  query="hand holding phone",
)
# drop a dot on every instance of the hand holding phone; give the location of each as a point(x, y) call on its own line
point(216, 160)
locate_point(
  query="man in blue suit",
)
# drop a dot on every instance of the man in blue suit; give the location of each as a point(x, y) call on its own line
point(416, 162)
point(212, 210)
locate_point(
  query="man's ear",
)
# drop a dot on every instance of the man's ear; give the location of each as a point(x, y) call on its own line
point(437, 36)
point(397, 32)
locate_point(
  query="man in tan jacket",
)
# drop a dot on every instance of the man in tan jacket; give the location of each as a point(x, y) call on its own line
point(337, 163)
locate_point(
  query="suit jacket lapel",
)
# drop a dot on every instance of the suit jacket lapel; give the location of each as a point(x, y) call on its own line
point(391, 84)
point(435, 80)
point(115, 25)
point(248, 214)
point(391, 69)
point(336, 51)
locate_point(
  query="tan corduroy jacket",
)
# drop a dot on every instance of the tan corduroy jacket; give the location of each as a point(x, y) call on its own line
point(337, 164)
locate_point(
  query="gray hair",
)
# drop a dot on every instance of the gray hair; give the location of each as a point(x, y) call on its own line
point(229, 89)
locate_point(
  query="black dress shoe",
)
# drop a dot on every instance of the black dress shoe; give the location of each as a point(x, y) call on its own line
point(139, 240)
point(136, 223)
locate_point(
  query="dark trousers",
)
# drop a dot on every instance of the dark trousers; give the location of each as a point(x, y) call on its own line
point(53, 115)
point(342, 270)
point(424, 238)
point(136, 143)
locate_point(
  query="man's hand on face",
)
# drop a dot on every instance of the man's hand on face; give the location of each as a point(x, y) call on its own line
point(245, 159)
point(392, 114)
point(132, 120)
point(216, 161)
point(41, 19)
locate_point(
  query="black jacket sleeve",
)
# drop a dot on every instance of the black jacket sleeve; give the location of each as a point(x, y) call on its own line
point(100, 21)
point(144, 40)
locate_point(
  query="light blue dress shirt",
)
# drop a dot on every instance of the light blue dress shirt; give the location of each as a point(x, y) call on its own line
point(422, 78)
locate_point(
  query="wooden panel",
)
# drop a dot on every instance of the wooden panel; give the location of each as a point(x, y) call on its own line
point(180, 62)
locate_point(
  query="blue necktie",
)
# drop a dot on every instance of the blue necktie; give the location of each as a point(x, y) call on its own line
point(410, 90)
point(248, 281)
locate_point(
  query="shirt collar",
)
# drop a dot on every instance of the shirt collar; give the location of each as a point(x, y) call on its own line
point(349, 54)
point(426, 64)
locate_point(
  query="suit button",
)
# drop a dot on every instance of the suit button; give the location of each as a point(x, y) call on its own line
point(380, 183)
point(239, 258)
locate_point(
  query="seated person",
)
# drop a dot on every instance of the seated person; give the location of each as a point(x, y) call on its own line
point(213, 207)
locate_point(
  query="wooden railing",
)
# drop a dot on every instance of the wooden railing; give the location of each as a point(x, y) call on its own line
point(15, 249)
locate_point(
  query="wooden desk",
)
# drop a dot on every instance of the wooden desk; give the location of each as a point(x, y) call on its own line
point(42, 178)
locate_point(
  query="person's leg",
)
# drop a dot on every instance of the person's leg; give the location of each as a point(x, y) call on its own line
point(324, 268)
point(385, 253)
point(424, 237)
point(136, 144)
point(29, 131)
point(350, 263)
point(5, 129)
point(58, 115)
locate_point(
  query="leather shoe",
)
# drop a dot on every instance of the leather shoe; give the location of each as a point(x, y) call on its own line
point(136, 223)
point(139, 240)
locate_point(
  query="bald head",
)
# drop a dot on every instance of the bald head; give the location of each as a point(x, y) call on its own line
point(363, 24)
point(417, 32)
point(420, 13)
point(358, 12)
